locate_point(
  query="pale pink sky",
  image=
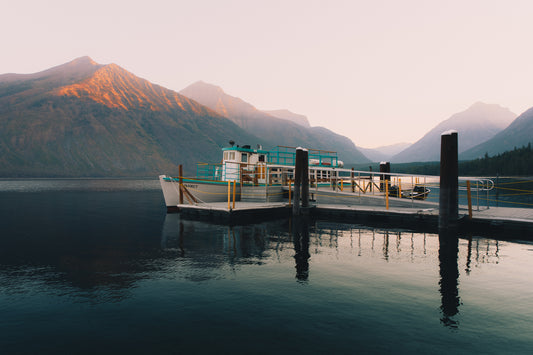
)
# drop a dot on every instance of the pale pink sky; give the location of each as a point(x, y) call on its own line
point(379, 72)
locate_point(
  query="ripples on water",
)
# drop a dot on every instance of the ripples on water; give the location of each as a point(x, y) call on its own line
point(98, 266)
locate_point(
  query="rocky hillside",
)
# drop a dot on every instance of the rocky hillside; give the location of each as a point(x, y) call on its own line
point(87, 119)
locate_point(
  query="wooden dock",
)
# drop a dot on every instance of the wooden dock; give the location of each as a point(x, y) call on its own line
point(516, 222)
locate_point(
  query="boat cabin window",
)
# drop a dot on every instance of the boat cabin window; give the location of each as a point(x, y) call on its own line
point(229, 155)
point(262, 158)
point(244, 158)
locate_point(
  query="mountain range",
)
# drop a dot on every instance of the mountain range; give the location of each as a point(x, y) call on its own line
point(475, 125)
point(87, 119)
point(384, 153)
point(518, 134)
point(288, 130)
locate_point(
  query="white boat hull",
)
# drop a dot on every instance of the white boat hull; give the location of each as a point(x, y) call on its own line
point(202, 191)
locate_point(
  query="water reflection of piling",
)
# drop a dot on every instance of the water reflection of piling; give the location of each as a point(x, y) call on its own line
point(180, 239)
point(386, 246)
point(300, 233)
point(469, 256)
point(449, 275)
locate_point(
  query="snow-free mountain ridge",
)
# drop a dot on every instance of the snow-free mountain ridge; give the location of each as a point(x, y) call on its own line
point(518, 134)
point(475, 125)
point(273, 129)
point(87, 119)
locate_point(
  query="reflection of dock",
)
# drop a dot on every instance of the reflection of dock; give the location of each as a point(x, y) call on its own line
point(315, 245)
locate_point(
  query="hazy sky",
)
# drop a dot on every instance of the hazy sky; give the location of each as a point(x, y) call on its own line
point(379, 72)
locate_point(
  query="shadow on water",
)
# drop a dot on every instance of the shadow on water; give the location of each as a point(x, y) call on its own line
point(88, 246)
point(250, 244)
point(209, 247)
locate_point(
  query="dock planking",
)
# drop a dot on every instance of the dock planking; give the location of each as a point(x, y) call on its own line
point(515, 222)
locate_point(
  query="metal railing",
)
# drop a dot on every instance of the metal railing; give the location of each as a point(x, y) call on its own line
point(393, 185)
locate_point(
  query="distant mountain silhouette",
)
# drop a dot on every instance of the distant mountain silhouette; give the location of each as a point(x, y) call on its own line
point(277, 131)
point(475, 125)
point(87, 119)
point(290, 116)
point(518, 134)
point(384, 153)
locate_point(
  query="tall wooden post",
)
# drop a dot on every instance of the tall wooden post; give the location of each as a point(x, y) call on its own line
point(372, 178)
point(180, 193)
point(384, 167)
point(352, 178)
point(305, 178)
point(297, 181)
point(449, 181)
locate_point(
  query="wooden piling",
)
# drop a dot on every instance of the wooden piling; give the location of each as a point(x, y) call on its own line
point(180, 177)
point(469, 196)
point(229, 195)
point(297, 181)
point(384, 167)
point(387, 194)
point(449, 181)
point(372, 177)
point(234, 190)
point(305, 178)
point(352, 178)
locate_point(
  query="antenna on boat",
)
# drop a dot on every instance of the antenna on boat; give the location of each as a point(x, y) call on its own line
point(232, 142)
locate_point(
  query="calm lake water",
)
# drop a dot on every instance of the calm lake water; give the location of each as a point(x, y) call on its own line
point(97, 266)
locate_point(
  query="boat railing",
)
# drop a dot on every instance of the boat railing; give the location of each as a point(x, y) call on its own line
point(283, 155)
point(245, 173)
point(393, 185)
point(209, 171)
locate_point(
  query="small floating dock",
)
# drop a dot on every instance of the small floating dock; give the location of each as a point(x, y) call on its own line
point(348, 196)
point(495, 219)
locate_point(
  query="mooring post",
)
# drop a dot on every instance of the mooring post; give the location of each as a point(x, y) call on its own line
point(305, 178)
point(371, 178)
point(352, 178)
point(449, 181)
point(180, 177)
point(229, 195)
point(384, 167)
point(297, 181)
point(234, 190)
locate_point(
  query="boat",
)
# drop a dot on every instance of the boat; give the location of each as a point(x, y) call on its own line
point(246, 174)
point(418, 192)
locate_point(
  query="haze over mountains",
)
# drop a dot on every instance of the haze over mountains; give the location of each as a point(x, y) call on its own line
point(518, 134)
point(475, 125)
point(273, 129)
point(384, 153)
point(291, 116)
